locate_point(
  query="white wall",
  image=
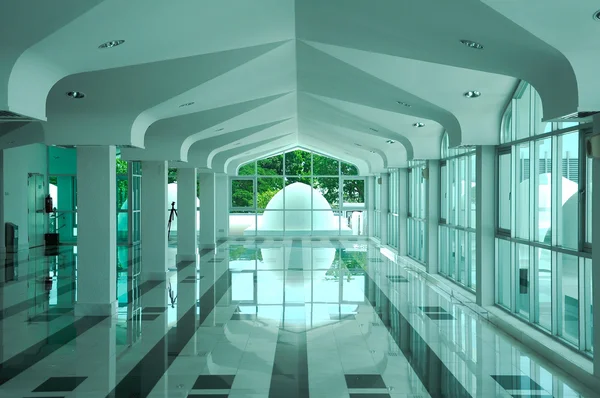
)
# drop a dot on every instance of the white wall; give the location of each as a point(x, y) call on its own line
point(17, 163)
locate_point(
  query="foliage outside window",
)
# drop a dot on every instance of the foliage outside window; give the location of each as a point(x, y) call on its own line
point(457, 248)
point(259, 181)
point(543, 244)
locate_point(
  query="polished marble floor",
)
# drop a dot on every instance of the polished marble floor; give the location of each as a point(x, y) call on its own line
point(259, 318)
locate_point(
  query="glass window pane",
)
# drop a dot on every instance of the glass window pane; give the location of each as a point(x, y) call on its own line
point(504, 191)
point(473, 193)
point(270, 166)
point(543, 190)
point(242, 193)
point(324, 166)
point(452, 255)
point(462, 198)
point(588, 193)
point(354, 192)
point(543, 300)
point(540, 127)
point(568, 296)
point(242, 286)
point(522, 182)
point(507, 130)
point(462, 263)
point(523, 114)
point(298, 163)
point(267, 187)
point(444, 192)
point(503, 264)
point(473, 262)
point(329, 187)
point(247, 169)
point(443, 250)
point(348, 169)
point(567, 228)
point(523, 282)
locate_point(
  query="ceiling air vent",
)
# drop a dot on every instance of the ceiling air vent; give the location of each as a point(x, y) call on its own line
point(7, 116)
point(581, 116)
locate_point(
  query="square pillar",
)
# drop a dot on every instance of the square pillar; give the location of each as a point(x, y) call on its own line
point(187, 246)
point(384, 206)
point(222, 205)
point(485, 199)
point(432, 207)
point(371, 206)
point(207, 210)
point(154, 218)
point(403, 211)
point(96, 231)
point(596, 250)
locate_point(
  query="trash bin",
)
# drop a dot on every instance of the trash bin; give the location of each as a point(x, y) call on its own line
point(11, 237)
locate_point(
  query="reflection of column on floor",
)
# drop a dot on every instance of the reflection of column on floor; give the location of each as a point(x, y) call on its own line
point(186, 300)
point(96, 231)
point(65, 278)
point(207, 209)
point(187, 246)
point(154, 217)
point(154, 330)
point(97, 349)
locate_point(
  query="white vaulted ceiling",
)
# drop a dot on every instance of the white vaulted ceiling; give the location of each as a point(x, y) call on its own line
point(216, 83)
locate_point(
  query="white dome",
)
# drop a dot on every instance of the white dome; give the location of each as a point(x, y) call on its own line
point(298, 216)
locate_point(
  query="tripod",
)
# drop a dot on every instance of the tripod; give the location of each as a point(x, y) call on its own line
point(172, 215)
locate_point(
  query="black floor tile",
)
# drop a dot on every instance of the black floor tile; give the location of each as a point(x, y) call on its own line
point(427, 308)
point(510, 382)
point(44, 318)
point(207, 396)
point(60, 384)
point(148, 317)
point(531, 396)
point(188, 281)
point(57, 310)
point(365, 381)
point(154, 309)
point(440, 317)
point(213, 382)
point(243, 317)
point(370, 395)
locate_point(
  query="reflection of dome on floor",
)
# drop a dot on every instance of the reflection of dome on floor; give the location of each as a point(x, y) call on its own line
point(309, 211)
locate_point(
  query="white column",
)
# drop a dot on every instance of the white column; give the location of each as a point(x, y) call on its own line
point(403, 211)
point(154, 217)
point(96, 231)
point(371, 206)
point(485, 224)
point(207, 210)
point(187, 244)
point(596, 249)
point(385, 206)
point(222, 205)
point(432, 204)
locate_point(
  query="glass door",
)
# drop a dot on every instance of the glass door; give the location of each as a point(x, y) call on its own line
point(36, 219)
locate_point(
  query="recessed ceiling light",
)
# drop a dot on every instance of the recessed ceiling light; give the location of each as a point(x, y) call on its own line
point(237, 143)
point(221, 129)
point(418, 124)
point(390, 141)
point(76, 94)
point(372, 151)
point(10, 142)
point(472, 94)
point(472, 44)
point(187, 104)
point(372, 129)
point(597, 15)
point(357, 144)
point(111, 44)
point(404, 104)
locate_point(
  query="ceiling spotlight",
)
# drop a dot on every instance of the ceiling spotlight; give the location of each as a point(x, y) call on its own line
point(237, 143)
point(390, 141)
point(404, 104)
point(472, 44)
point(10, 142)
point(76, 94)
point(187, 104)
point(472, 94)
point(372, 129)
point(111, 44)
point(357, 144)
point(372, 151)
point(597, 15)
point(418, 124)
